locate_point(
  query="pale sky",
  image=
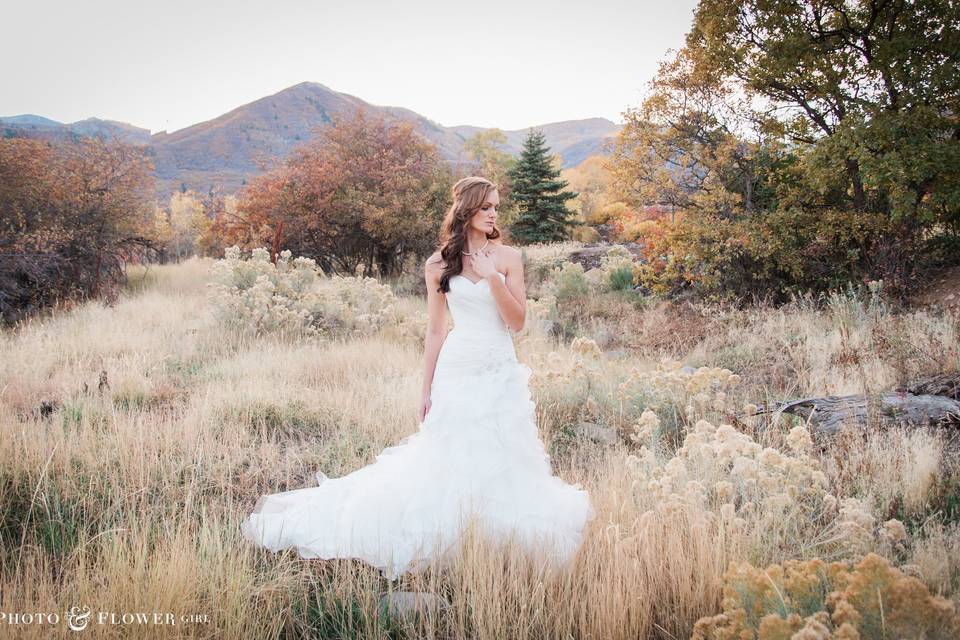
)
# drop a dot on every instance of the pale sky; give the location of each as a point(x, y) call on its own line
point(167, 65)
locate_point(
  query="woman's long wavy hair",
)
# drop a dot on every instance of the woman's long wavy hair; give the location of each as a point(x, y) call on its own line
point(469, 194)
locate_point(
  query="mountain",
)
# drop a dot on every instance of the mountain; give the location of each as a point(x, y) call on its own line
point(112, 129)
point(229, 149)
point(47, 129)
point(574, 140)
point(244, 141)
point(29, 120)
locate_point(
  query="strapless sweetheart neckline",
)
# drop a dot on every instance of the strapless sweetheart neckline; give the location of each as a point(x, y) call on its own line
point(478, 282)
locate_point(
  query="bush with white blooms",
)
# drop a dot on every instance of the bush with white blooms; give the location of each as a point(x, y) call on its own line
point(295, 297)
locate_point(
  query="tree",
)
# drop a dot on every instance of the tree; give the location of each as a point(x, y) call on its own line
point(494, 162)
point(366, 191)
point(71, 214)
point(217, 210)
point(801, 144)
point(188, 223)
point(537, 190)
point(870, 86)
point(591, 179)
point(488, 149)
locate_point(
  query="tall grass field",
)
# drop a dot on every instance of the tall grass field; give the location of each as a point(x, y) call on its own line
point(135, 437)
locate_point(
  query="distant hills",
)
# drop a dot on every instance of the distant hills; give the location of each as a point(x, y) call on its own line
point(40, 127)
point(227, 150)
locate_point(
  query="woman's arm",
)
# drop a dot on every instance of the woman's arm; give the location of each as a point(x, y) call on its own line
point(436, 323)
point(510, 293)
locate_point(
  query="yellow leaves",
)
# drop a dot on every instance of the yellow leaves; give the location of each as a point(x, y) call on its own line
point(866, 599)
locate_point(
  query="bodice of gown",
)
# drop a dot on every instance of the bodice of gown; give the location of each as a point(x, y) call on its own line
point(473, 307)
point(480, 340)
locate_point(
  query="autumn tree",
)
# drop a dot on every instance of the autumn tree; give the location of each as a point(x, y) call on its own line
point(217, 208)
point(538, 191)
point(591, 180)
point(802, 144)
point(188, 222)
point(367, 191)
point(488, 149)
point(71, 215)
point(870, 87)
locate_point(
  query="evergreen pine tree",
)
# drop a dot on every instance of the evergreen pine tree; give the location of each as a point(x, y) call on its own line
point(537, 192)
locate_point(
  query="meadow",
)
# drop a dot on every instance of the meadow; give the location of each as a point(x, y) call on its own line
point(135, 436)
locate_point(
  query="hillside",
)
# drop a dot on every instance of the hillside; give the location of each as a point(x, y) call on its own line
point(47, 129)
point(225, 151)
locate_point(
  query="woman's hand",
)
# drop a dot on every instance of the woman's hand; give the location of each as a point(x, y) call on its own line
point(424, 406)
point(483, 264)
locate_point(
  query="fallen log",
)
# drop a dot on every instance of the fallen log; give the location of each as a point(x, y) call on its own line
point(944, 384)
point(826, 415)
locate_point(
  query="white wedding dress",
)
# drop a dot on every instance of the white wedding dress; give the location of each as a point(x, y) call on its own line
point(477, 451)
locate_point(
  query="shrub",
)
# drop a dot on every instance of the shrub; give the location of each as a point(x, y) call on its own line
point(683, 393)
point(726, 473)
point(569, 281)
point(814, 599)
point(617, 267)
point(295, 297)
point(72, 215)
point(571, 381)
point(585, 234)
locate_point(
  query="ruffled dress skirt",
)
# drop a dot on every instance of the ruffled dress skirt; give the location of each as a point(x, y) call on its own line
point(477, 453)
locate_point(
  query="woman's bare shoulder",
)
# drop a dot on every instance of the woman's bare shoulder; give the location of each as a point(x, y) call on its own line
point(507, 251)
point(434, 265)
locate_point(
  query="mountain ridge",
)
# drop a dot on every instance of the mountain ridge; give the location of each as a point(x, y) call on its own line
point(225, 151)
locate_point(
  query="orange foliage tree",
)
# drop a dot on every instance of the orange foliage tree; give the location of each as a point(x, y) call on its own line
point(71, 215)
point(366, 191)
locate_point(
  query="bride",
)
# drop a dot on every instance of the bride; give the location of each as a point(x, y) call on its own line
point(477, 452)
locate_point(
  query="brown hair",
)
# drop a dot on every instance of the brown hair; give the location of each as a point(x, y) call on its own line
point(469, 194)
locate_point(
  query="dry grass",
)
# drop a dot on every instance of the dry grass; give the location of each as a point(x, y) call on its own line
point(129, 498)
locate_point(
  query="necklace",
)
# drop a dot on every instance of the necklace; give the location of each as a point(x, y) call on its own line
point(470, 253)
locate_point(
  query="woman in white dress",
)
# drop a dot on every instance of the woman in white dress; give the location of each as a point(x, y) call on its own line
point(477, 451)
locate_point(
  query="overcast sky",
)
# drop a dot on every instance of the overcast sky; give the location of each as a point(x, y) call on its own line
point(167, 65)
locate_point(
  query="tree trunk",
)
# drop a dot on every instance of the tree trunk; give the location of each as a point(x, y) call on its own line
point(827, 415)
point(859, 195)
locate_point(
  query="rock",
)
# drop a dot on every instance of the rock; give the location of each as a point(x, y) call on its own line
point(590, 254)
point(687, 369)
point(597, 433)
point(406, 603)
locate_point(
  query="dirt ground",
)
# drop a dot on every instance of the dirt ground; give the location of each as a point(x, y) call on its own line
point(944, 290)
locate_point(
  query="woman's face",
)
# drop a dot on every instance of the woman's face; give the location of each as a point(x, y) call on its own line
point(486, 215)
